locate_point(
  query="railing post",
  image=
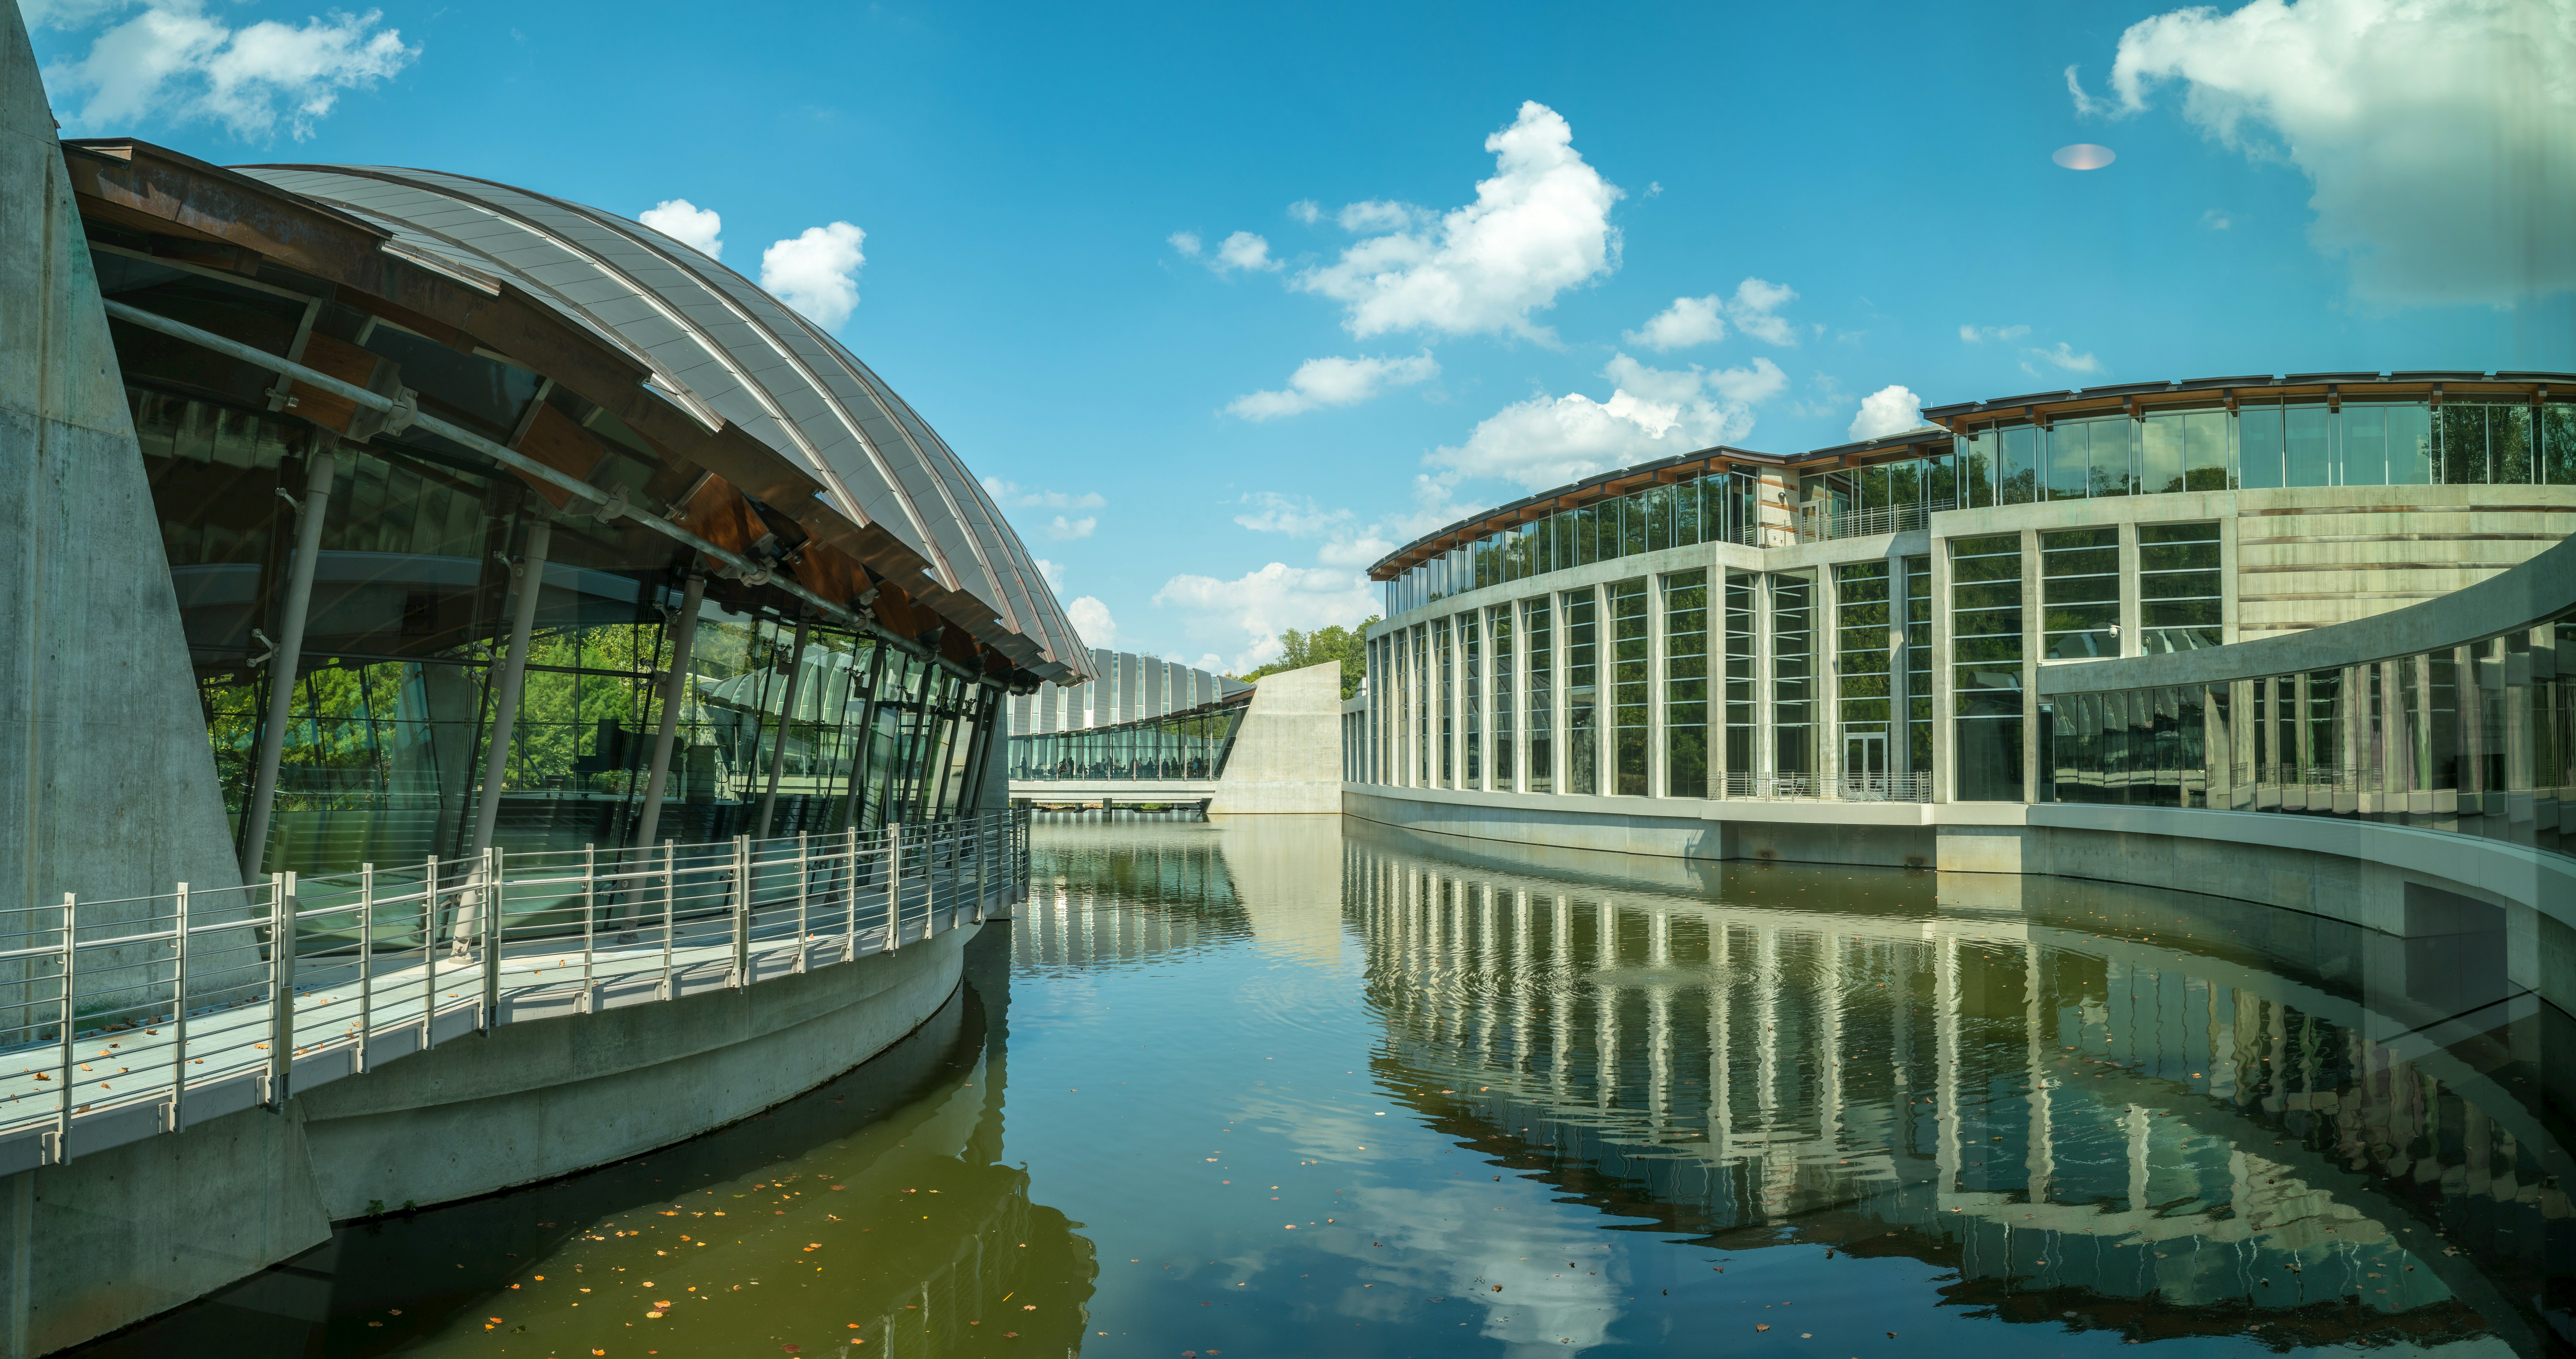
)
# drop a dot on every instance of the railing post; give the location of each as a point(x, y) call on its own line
point(589, 924)
point(281, 986)
point(179, 1017)
point(670, 889)
point(894, 886)
point(850, 897)
point(428, 952)
point(492, 898)
point(741, 911)
point(983, 834)
point(804, 875)
point(366, 959)
point(71, 974)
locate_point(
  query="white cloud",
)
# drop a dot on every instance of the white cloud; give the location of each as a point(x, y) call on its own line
point(1243, 250)
point(1272, 512)
point(1091, 618)
point(1688, 321)
point(1651, 413)
point(2217, 219)
point(1334, 382)
point(1260, 605)
point(1306, 210)
point(1380, 215)
point(2440, 135)
point(1889, 410)
point(1187, 242)
point(1066, 529)
point(175, 61)
point(1539, 226)
point(2063, 356)
point(817, 273)
point(1018, 497)
point(1981, 334)
point(698, 228)
point(1755, 311)
point(1052, 573)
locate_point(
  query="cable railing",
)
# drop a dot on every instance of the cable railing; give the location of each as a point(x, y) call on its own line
point(124, 1018)
point(1843, 787)
point(1820, 521)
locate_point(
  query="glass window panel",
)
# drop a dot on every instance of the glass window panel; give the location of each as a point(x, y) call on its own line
point(2463, 445)
point(1539, 712)
point(1975, 469)
point(2161, 440)
point(2258, 442)
point(2205, 460)
point(1632, 524)
point(2410, 444)
point(1504, 680)
point(1659, 517)
point(1794, 643)
point(2178, 587)
point(1686, 684)
point(1687, 499)
point(2112, 457)
point(1631, 684)
point(2080, 593)
point(2069, 460)
point(1741, 681)
point(1582, 694)
point(2509, 445)
point(2017, 465)
point(2308, 452)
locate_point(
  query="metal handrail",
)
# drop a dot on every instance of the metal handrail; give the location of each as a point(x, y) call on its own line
point(135, 1003)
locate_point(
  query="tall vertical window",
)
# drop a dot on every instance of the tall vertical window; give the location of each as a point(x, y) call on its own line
point(1445, 700)
point(2178, 587)
point(1686, 684)
point(1793, 675)
point(1471, 702)
point(2016, 465)
point(1421, 707)
point(1504, 764)
point(1741, 680)
point(2080, 593)
point(1918, 664)
point(1582, 694)
point(1539, 694)
point(1632, 682)
point(1986, 655)
point(1975, 456)
point(1863, 672)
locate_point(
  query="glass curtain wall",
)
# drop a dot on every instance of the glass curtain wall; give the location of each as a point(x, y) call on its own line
point(1191, 744)
point(2475, 740)
point(2178, 587)
point(1742, 680)
point(391, 723)
point(1793, 681)
point(1717, 507)
point(1986, 676)
point(1582, 694)
point(2079, 586)
point(1540, 695)
point(1445, 703)
point(1918, 665)
point(1632, 684)
point(1686, 684)
point(1505, 766)
point(1471, 702)
point(1864, 674)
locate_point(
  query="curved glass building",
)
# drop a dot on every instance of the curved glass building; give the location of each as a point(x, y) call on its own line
point(1870, 622)
point(494, 519)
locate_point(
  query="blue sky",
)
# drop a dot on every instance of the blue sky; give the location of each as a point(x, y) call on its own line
point(1843, 199)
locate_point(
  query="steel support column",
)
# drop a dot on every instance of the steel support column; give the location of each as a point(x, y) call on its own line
point(506, 687)
point(287, 656)
point(786, 711)
point(684, 636)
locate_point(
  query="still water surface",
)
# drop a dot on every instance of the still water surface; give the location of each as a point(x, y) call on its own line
point(1301, 1086)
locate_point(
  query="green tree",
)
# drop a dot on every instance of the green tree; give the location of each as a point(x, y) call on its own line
point(1335, 643)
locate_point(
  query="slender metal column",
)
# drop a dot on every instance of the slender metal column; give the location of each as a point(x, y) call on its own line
point(507, 686)
point(288, 655)
point(684, 636)
point(786, 711)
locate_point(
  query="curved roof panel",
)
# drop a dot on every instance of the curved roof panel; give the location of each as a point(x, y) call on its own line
point(723, 350)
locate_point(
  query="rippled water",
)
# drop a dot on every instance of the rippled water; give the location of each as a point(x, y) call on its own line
point(1300, 1086)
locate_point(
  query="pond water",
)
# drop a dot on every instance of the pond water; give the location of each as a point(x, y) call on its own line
point(1306, 1086)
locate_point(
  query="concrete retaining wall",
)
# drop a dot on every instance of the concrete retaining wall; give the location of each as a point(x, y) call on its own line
point(110, 1239)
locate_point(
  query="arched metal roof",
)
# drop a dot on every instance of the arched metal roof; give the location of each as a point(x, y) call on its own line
point(726, 352)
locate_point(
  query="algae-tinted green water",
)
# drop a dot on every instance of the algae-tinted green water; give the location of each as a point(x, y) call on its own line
point(1303, 1086)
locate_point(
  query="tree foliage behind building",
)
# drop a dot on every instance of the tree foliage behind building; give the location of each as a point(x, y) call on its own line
point(1335, 643)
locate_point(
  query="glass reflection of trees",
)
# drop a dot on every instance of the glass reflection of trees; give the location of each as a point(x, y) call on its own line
point(393, 707)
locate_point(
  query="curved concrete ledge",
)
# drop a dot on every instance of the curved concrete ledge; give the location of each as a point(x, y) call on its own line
point(112, 1238)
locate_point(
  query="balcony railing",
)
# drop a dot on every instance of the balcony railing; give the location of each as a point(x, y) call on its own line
point(1847, 787)
point(1819, 521)
point(119, 1019)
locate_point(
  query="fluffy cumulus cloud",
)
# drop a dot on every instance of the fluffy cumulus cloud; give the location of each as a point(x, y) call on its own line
point(1256, 607)
point(1241, 252)
point(1541, 225)
point(2062, 357)
point(2000, 334)
point(1889, 410)
point(176, 60)
point(1651, 413)
point(1334, 382)
point(1052, 573)
point(2440, 135)
point(1091, 618)
point(817, 273)
point(1012, 495)
point(1689, 321)
point(698, 228)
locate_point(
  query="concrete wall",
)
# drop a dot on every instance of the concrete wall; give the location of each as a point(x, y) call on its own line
point(107, 788)
point(1288, 752)
point(112, 1238)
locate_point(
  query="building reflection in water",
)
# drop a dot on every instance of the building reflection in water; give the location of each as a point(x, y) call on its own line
point(2137, 1110)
